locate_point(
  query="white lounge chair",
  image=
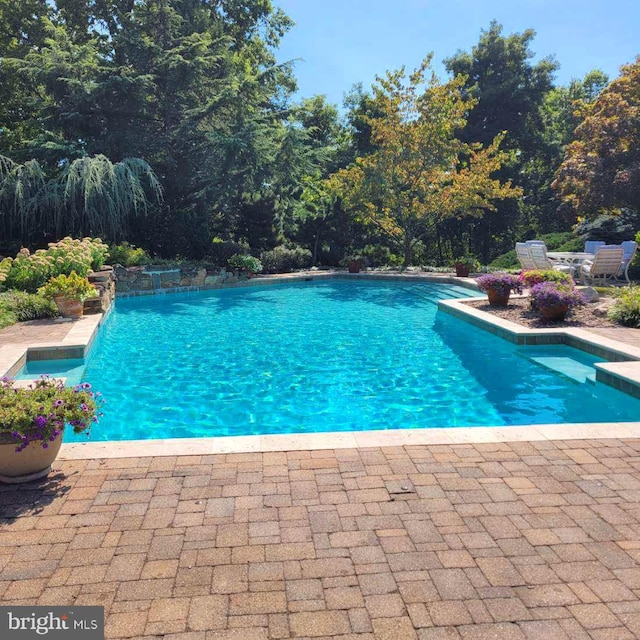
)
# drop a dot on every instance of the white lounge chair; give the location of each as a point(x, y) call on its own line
point(530, 242)
point(541, 260)
point(629, 247)
point(605, 266)
point(591, 246)
point(523, 252)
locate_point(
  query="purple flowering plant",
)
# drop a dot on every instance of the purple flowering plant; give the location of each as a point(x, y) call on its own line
point(41, 411)
point(552, 294)
point(502, 283)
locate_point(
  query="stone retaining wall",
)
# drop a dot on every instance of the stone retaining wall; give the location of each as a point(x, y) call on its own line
point(138, 280)
point(105, 282)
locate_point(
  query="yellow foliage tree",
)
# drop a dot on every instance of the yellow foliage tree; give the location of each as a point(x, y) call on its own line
point(600, 172)
point(419, 173)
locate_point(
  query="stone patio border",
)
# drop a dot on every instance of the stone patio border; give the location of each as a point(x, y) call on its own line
point(623, 373)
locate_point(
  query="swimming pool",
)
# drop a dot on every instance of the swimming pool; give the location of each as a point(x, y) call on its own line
point(336, 355)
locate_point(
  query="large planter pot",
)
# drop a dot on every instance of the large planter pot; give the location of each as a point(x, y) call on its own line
point(498, 298)
point(553, 312)
point(462, 270)
point(31, 463)
point(355, 266)
point(69, 308)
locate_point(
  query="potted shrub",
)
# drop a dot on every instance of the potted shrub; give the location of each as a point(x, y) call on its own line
point(553, 301)
point(533, 277)
point(498, 287)
point(245, 263)
point(465, 265)
point(353, 263)
point(69, 293)
point(32, 422)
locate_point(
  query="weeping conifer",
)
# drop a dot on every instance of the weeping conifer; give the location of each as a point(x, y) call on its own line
point(90, 196)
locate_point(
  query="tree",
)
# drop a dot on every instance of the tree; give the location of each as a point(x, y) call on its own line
point(419, 174)
point(600, 172)
point(190, 86)
point(563, 107)
point(89, 196)
point(509, 92)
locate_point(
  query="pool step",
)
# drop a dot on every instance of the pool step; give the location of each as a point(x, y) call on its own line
point(435, 295)
point(577, 371)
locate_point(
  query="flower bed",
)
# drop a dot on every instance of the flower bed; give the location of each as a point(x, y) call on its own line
point(519, 311)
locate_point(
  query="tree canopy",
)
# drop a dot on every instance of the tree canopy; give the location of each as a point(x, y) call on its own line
point(170, 122)
point(600, 172)
point(419, 172)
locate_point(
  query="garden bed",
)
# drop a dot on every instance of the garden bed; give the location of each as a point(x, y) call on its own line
point(519, 310)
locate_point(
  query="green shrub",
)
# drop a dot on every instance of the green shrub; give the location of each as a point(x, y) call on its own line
point(554, 241)
point(536, 276)
point(127, 255)
point(72, 287)
point(626, 309)
point(30, 306)
point(5, 268)
point(248, 263)
point(222, 250)
point(283, 260)
point(381, 256)
point(7, 316)
point(18, 306)
point(612, 228)
point(507, 260)
point(574, 244)
point(29, 271)
point(81, 256)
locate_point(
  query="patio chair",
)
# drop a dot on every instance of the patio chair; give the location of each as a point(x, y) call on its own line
point(541, 260)
point(605, 266)
point(523, 252)
point(629, 247)
point(591, 246)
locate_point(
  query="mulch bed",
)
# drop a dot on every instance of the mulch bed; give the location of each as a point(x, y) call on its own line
point(519, 310)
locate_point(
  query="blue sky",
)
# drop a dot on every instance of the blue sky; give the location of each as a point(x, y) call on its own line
point(341, 42)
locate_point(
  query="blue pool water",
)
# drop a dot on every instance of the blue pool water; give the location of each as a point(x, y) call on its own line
point(326, 356)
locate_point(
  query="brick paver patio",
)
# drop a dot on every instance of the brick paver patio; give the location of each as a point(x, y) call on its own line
point(510, 540)
point(34, 332)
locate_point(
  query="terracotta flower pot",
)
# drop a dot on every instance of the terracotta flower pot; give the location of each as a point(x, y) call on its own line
point(32, 463)
point(355, 266)
point(69, 308)
point(462, 270)
point(553, 312)
point(498, 298)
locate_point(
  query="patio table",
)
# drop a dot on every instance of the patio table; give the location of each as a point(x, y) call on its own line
point(572, 258)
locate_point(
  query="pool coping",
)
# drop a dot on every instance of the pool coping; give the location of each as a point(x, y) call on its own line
point(624, 374)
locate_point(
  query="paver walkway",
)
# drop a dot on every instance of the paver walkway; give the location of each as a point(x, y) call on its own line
point(34, 332)
point(518, 540)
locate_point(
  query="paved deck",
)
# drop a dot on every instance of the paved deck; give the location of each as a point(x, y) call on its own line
point(35, 332)
point(506, 540)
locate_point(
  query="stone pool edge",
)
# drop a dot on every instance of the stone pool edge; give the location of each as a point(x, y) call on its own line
point(347, 440)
